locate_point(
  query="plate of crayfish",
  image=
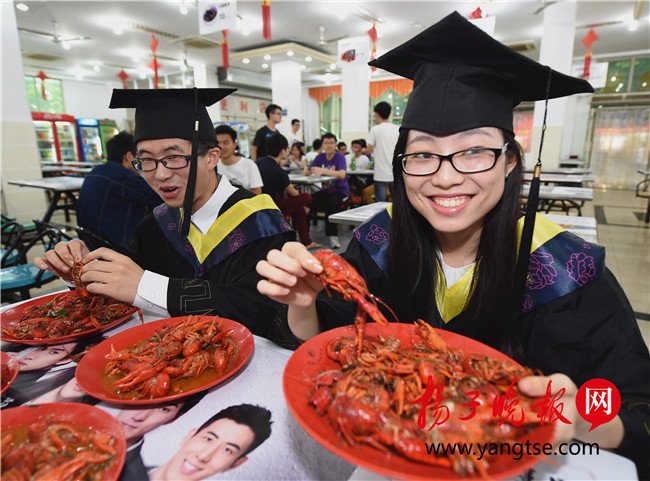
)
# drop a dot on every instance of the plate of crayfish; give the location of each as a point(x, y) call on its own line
point(165, 360)
point(63, 317)
point(61, 441)
point(375, 402)
point(8, 371)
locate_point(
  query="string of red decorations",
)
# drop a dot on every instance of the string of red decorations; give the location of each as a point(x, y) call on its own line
point(224, 49)
point(123, 77)
point(588, 41)
point(42, 76)
point(476, 14)
point(372, 33)
point(266, 19)
point(154, 63)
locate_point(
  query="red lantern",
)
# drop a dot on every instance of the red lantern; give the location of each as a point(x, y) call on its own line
point(224, 49)
point(266, 19)
point(42, 76)
point(154, 63)
point(588, 41)
point(123, 77)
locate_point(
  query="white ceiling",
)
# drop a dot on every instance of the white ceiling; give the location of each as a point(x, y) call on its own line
point(297, 21)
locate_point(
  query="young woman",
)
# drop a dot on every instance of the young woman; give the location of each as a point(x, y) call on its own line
point(447, 251)
point(297, 156)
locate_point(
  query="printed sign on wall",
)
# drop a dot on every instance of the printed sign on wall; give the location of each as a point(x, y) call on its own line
point(354, 50)
point(216, 16)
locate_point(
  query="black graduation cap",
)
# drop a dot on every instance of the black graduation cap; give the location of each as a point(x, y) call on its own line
point(173, 114)
point(464, 78)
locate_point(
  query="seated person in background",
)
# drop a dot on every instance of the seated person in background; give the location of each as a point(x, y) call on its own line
point(277, 185)
point(114, 198)
point(342, 147)
point(316, 146)
point(220, 444)
point(176, 267)
point(356, 159)
point(297, 155)
point(329, 199)
point(239, 170)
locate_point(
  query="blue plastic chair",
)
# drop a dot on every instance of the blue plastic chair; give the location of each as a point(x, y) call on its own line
point(12, 235)
point(23, 277)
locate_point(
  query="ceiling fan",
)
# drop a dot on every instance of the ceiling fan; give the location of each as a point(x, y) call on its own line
point(63, 40)
point(544, 4)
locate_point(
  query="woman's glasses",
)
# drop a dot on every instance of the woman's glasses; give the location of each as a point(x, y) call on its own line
point(468, 161)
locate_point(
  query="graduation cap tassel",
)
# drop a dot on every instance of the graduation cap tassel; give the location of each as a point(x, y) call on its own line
point(191, 178)
point(521, 273)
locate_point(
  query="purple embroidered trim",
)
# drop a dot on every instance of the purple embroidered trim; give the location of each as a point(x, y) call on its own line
point(581, 268)
point(541, 272)
point(236, 240)
point(376, 235)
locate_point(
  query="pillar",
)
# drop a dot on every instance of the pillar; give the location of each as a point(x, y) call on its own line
point(202, 80)
point(20, 158)
point(356, 92)
point(286, 91)
point(556, 51)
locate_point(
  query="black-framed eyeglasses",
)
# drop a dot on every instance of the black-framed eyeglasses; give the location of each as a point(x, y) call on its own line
point(468, 161)
point(173, 162)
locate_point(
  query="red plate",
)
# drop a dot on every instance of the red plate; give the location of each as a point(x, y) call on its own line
point(14, 314)
point(310, 359)
point(90, 371)
point(74, 413)
point(8, 362)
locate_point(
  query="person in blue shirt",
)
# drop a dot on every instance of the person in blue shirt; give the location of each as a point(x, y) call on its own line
point(114, 198)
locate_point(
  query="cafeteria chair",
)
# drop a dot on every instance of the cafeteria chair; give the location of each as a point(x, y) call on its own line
point(30, 229)
point(17, 280)
point(12, 239)
point(643, 191)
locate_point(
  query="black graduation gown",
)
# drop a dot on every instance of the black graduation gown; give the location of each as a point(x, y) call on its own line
point(588, 333)
point(227, 288)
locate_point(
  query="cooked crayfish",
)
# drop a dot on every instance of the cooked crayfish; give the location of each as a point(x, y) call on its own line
point(379, 398)
point(58, 451)
point(341, 277)
point(69, 313)
point(151, 367)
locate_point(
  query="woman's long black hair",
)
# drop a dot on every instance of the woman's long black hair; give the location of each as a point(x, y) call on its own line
point(413, 269)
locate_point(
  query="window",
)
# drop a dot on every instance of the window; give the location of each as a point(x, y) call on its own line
point(396, 101)
point(641, 75)
point(330, 115)
point(53, 103)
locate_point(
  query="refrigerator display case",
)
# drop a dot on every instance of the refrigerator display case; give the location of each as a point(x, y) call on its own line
point(90, 144)
point(107, 129)
point(60, 130)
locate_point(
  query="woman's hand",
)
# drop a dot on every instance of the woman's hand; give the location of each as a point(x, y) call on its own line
point(608, 435)
point(290, 275)
point(112, 274)
point(60, 260)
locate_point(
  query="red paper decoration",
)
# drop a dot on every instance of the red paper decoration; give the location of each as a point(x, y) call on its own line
point(154, 63)
point(123, 77)
point(476, 14)
point(42, 76)
point(588, 41)
point(266, 19)
point(224, 49)
point(372, 33)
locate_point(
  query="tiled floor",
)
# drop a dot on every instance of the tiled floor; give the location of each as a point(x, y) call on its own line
point(620, 229)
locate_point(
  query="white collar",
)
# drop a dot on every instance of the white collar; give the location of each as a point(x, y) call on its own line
point(206, 215)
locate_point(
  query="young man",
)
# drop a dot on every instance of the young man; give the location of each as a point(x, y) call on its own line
point(222, 443)
point(239, 170)
point(138, 421)
point(201, 263)
point(278, 186)
point(361, 161)
point(114, 198)
point(329, 199)
point(273, 118)
point(381, 143)
point(294, 136)
point(342, 147)
point(316, 146)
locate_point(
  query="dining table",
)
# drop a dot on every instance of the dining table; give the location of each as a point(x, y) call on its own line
point(563, 197)
point(577, 180)
point(63, 188)
point(290, 453)
point(310, 183)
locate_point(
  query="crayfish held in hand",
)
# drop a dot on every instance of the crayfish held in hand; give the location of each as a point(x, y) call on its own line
point(341, 277)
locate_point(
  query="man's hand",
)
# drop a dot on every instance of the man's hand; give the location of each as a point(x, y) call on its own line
point(112, 274)
point(60, 260)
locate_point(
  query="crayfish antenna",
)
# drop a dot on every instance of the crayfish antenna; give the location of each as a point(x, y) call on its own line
point(377, 299)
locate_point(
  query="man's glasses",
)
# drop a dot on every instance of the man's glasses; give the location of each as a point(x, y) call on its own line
point(468, 161)
point(173, 162)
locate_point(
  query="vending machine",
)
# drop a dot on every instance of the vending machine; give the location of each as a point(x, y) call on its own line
point(56, 137)
point(107, 129)
point(90, 143)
